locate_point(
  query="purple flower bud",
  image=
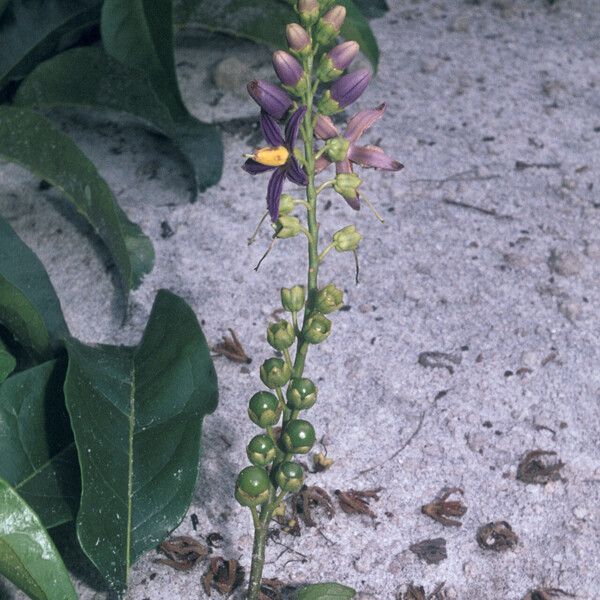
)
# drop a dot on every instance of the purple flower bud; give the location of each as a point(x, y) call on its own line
point(271, 98)
point(349, 88)
point(288, 69)
point(330, 24)
point(308, 11)
point(297, 37)
point(342, 55)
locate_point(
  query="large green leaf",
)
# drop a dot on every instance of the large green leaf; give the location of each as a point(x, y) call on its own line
point(28, 556)
point(139, 33)
point(31, 30)
point(265, 22)
point(7, 362)
point(137, 417)
point(30, 140)
point(372, 9)
point(89, 78)
point(325, 591)
point(29, 307)
point(37, 454)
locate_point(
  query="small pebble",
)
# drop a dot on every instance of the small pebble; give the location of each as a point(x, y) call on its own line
point(460, 24)
point(428, 66)
point(232, 75)
point(580, 512)
point(571, 310)
point(592, 250)
point(565, 262)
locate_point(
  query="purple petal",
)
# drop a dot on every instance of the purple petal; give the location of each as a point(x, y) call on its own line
point(270, 129)
point(361, 121)
point(321, 164)
point(274, 192)
point(325, 128)
point(373, 156)
point(255, 168)
point(287, 68)
point(293, 126)
point(349, 88)
point(270, 98)
point(295, 173)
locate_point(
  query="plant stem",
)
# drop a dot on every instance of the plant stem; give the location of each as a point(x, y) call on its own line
point(261, 529)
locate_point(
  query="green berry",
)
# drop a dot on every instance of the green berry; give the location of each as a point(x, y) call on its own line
point(298, 437)
point(264, 409)
point(301, 393)
point(261, 450)
point(275, 373)
point(317, 329)
point(290, 477)
point(281, 335)
point(329, 299)
point(253, 486)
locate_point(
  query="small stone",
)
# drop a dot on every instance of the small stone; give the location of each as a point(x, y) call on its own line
point(564, 262)
point(569, 184)
point(232, 75)
point(571, 310)
point(580, 512)
point(366, 308)
point(428, 66)
point(460, 24)
point(592, 250)
point(363, 564)
point(530, 359)
point(470, 569)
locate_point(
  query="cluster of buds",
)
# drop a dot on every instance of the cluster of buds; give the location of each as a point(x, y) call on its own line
point(313, 86)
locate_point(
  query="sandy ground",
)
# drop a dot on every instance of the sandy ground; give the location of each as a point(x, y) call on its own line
point(490, 253)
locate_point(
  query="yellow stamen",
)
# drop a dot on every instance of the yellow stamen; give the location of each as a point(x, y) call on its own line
point(271, 157)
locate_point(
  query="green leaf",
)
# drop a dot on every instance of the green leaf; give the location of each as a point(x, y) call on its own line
point(89, 78)
point(3, 5)
point(28, 556)
point(29, 139)
point(7, 362)
point(29, 307)
point(37, 454)
point(372, 9)
point(325, 591)
point(139, 33)
point(265, 24)
point(31, 30)
point(137, 417)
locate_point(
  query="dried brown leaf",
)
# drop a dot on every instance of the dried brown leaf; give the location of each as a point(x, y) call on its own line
point(547, 594)
point(431, 551)
point(223, 575)
point(182, 552)
point(536, 467)
point(309, 498)
point(497, 536)
point(232, 349)
point(441, 508)
point(356, 502)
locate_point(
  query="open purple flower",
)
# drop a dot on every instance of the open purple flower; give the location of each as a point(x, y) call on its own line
point(349, 151)
point(278, 157)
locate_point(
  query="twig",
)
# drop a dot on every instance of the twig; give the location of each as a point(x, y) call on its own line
point(470, 175)
point(405, 445)
point(486, 211)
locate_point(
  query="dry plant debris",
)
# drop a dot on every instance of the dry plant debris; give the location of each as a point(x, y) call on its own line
point(223, 575)
point(547, 594)
point(356, 502)
point(232, 349)
point(441, 508)
point(182, 552)
point(536, 467)
point(214, 539)
point(497, 536)
point(431, 551)
point(271, 589)
point(440, 360)
point(414, 592)
point(321, 462)
point(307, 499)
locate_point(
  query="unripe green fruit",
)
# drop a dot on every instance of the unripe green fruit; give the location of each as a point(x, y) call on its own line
point(253, 486)
point(264, 409)
point(298, 437)
point(261, 450)
point(275, 373)
point(318, 328)
point(290, 477)
point(329, 299)
point(292, 299)
point(281, 335)
point(301, 393)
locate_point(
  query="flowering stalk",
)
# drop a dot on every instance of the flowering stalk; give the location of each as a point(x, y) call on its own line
point(308, 66)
